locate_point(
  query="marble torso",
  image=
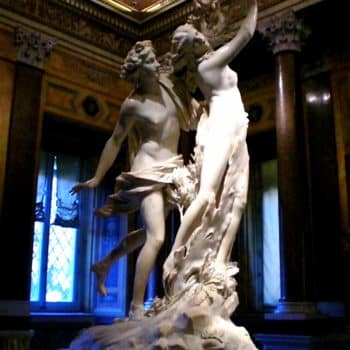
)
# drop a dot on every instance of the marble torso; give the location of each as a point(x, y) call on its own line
point(157, 128)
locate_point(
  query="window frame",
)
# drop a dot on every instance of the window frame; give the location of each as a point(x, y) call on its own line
point(46, 306)
point(88, 244)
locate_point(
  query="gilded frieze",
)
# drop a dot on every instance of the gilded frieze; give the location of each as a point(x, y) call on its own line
point(115, 36)
point(115, 33)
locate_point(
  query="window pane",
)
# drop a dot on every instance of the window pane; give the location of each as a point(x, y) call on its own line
point(36, 261)
point(42, 187)
point(62, 237)
point(66, 174)
point(270, 233)
point(61, 264)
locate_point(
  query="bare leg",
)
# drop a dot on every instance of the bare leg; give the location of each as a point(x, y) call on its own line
point(238, 209)
point(152, 211)
point(212, 173)
point(128, 244)
point(230, 236)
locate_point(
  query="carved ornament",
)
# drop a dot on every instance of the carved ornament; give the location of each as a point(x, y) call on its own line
point(284, 33)
point(97, 25)
point(33, 47)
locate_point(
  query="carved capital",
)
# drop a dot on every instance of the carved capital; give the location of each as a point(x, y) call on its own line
point(33, 47)
point(285, 33)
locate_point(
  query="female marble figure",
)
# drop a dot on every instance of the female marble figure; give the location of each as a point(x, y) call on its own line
point(150, 116)
point(202, 67)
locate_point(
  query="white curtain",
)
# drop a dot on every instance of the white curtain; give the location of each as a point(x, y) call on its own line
point(271, 255)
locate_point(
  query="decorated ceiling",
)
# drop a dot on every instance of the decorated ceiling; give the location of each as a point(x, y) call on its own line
point(137, 7)
point(125, 5)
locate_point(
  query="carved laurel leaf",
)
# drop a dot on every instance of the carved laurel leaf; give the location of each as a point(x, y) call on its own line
point(215, 19)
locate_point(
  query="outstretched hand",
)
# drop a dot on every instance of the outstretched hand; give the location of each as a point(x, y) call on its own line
point(92, 183)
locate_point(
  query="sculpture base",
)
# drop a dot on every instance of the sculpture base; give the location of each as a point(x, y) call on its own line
point(196, 318)
point(193, 328)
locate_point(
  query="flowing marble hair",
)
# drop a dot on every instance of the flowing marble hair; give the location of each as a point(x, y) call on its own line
point(135, 58)
point(187, 49)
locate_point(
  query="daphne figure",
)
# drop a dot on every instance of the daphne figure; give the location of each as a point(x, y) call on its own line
point(202, 67)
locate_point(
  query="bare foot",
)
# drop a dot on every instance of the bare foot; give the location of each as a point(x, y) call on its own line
point(100, 269)
point(136, 312)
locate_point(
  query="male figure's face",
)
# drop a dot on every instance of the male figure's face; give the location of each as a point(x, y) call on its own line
point(150, 65)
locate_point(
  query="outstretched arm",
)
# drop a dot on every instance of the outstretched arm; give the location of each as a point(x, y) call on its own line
point(225, 54)
point(110, 151)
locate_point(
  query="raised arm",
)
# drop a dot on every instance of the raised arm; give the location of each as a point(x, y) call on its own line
point(225, 54)
point(110, 150)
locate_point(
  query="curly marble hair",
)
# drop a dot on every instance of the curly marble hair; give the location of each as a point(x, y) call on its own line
point(135, 58)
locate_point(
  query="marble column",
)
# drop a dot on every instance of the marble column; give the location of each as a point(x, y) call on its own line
point(19, 183)
point(284, 34)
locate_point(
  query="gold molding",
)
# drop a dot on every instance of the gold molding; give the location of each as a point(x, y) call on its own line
point(139, 15)
point(9, 20)
point(83, 21)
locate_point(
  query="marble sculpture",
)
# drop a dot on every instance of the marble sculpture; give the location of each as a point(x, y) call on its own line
point(198, 278)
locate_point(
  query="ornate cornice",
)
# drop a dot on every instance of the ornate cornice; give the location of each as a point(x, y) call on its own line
point(100, 14)
point(97, 28)
point(33, 47)
point(284, 33)
point(168, 20)
point(93, 24)
point(85, 28)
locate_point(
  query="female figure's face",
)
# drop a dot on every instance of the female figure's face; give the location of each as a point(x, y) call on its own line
point(201, 45)
point(181, 44)
point(178, 41)
point(188, 43)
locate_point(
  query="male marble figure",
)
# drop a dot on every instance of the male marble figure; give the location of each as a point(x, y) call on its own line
point(150, 116)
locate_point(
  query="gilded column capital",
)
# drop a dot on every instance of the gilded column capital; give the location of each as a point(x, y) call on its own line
point(33, 47)
point(284, 33)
